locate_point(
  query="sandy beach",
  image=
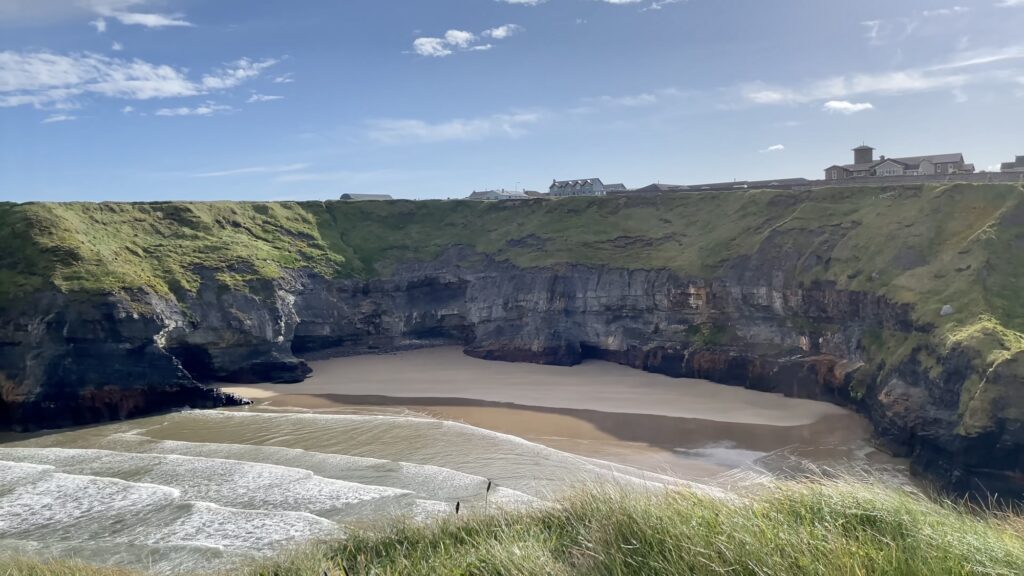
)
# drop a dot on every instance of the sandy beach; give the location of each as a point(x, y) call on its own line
point(691, 429)
point(447, 373)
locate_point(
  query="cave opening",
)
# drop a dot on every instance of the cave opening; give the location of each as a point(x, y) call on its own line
point(196, 360)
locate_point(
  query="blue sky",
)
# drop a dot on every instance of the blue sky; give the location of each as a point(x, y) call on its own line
point(239, 99)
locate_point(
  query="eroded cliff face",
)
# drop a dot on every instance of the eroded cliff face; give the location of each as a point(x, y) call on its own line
point(68, 361)
point(65, 362)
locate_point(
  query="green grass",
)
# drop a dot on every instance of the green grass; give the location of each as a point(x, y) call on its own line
point(820, 528)
point(791, 529)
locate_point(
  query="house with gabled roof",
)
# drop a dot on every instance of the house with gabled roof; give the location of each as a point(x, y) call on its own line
point(584, 187)
point(865, 165)
point(1015, 166)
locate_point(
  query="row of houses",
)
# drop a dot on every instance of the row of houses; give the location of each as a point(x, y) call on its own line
point(558, 189)
point(864, 165)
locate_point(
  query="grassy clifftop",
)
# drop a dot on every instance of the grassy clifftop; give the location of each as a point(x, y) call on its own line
point(961, 245)
point(958, 245)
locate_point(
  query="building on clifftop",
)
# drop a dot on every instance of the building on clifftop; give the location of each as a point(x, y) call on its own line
point(497, 195)
point(584, 187)
point(1015, 166)
point(365, 197)
point(865, 165)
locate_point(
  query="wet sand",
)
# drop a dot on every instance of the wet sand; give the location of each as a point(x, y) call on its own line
point(691, 429)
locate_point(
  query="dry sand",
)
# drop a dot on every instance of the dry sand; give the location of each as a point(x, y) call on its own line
point(447, 373)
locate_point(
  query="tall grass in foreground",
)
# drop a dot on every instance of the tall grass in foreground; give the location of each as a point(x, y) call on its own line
point(820, 528)
point(789, 529)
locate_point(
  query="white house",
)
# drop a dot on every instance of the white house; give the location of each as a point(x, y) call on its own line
point(584, 187)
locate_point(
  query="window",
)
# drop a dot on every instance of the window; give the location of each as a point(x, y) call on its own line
point(835, 174)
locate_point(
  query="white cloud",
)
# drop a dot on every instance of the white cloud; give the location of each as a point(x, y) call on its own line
point(127, 109)
point(658, 4)
point(524, 2)
point(461, 40)
point(238, 72)
point(54, 118)
point(117, 47)
point(99, 24)
point(966, 68)
point(403, 131)
point(845, 107)
point(981, 57)
point(263, 98)
point(640, 100)
point(120, 10)
point(253, 170)
point(773, 148)
point(431, 47)
point(952, 11)
point(502, 32)
point(284, 79)
point(1010, 3)
point(47, 80)
point(207, 109)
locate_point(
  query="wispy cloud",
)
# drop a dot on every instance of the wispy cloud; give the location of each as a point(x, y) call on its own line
point(403, 131)
point(47, 80)
point(123, 11)
point(773, 148)
point(253, 170)
point(206, 109)
point(639, 100)
point(951, 11)
point(263, 98)
point(963, 69)
point(659, 4)
point(236, 73)
point(58, 118)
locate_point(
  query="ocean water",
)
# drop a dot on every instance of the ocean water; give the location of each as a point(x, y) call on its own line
point(201, 490)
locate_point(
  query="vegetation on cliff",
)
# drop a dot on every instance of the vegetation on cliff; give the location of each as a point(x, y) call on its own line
point(955, 252)
point(821, 528)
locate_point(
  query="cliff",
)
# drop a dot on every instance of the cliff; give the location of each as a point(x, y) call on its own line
point(902, 303)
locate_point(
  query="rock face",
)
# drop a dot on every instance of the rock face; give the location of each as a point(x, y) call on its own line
point(65, 361)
